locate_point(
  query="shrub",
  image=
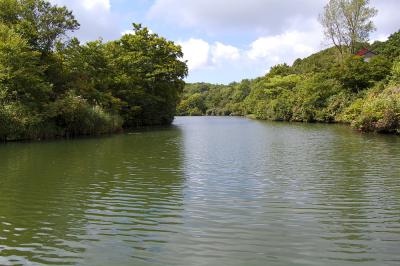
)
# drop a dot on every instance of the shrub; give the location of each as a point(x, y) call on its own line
point(380, 113)
point(18, 122)
point(312, 97)
point(396, 71)
point(73, 114)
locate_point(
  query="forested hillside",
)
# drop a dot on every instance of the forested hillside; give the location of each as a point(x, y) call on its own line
point(319, 88)
point(54, 86)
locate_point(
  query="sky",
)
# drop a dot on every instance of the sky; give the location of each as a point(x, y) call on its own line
point(224, 40)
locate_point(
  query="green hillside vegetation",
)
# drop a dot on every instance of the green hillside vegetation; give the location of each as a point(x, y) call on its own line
point(318, 88)
point(55, 86)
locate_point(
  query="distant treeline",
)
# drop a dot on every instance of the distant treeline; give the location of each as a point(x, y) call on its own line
point(54, 86)
point(319, 88)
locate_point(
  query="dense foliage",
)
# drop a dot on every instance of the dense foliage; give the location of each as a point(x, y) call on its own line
point(54, 86)
point(320, 88)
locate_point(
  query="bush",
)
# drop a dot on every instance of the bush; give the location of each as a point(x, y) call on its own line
point(354, 75)
point(336, 105)
point(352, 112)
point(396, 71)
point(380, 113)
point(73, 114)
point(193, 105)
point(17, 122)
point(312, 98)
point(280, 109)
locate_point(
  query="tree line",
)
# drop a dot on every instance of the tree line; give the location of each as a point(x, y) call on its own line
point(333, 85)
point(52, 85)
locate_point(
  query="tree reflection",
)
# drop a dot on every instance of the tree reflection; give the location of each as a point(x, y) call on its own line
point(64, 201)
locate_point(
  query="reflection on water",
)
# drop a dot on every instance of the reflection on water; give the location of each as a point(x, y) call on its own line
point(90, 202)
point(207, 191)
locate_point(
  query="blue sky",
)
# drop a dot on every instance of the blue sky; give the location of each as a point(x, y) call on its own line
point(224, 40)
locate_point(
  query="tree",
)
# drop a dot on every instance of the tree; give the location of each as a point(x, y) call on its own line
point(88, 72)
point(21, 75)
point(149, 73)
point(281, 70)
point(38, 21)
point(347, 23)
point(53, 86)
point(391, 48)
point(379, 68)
point(333, 22)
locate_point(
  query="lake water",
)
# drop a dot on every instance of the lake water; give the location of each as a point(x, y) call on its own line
point(206, 191)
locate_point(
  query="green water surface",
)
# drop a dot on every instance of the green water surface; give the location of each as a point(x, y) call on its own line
point(205, 191)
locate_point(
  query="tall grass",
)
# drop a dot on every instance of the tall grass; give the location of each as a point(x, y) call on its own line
point(70, 116)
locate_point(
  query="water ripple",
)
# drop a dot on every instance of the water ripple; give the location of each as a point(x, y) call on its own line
point(208, 191)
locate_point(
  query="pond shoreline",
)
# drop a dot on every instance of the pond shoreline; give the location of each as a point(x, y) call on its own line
point(253, 117)
point(89, 136)
point(156, 127)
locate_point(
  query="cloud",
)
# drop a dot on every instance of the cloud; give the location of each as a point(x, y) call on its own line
point(388, 20)
point(272, 16)
point(200, 54)
point(133, 32)
point(125, 32)
point(196, 52)
point(224, 40)
point(285, 47)
point(260, 55)
point(221, 52)
point(95, 4)
point(260, 16)
point(94, 16)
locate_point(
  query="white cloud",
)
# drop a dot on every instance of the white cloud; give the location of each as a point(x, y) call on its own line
point(94, 16)
point(200, 54)
point(196, 52)
point(260, 16)
point(85, 4)
point(284, 47)
point(133, 32)
point(263, 52)
point(127, 32)
point(268, 32)
point(95, 4)
point(220, 51)
point(388, 20)
point(272, 16)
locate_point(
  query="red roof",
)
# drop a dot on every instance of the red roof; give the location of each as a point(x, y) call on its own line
point(363, 52)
